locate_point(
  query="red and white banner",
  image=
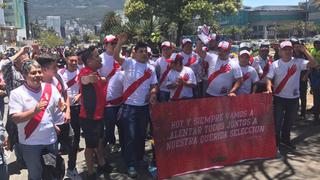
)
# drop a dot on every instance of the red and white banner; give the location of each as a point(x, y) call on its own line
point(202, 134)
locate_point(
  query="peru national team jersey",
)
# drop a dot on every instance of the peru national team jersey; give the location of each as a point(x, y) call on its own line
point(250, 77)
point(107, 64)
point(192, 61)
point(23, 99)
point(260, 64)
point(286, 77)
point(162, 66)
point(134, 70)
point(115, 88)
point(223, 73)
point(92, 97)
point(189, 77)
point(70, 80)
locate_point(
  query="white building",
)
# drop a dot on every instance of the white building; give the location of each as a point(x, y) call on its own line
point(54, 22)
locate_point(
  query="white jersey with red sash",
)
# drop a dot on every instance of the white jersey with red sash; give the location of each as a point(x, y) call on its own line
point(286, 77)
point(262, 67)
point(137, 82)
point(39, 130)
point(222, 74)
point(59, 116)
point(163, 68)
point(181, 91)
point(250, 76)
point(115, 89)
point(70, 79)
point(192, 61)
point(109, 68)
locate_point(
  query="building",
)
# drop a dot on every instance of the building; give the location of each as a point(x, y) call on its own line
point(313, 11)
point(264, 20)
point(12, 21)
point(54, 22)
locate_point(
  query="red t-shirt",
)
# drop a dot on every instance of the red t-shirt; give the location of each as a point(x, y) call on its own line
point(92, 98)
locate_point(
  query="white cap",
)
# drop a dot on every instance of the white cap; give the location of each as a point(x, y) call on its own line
point(149, 50)
point(285, 44)
point(186, 40)
point(244, 52)
point(166, 44)
point(245, 44)
point(225, 45)
point(109, 38)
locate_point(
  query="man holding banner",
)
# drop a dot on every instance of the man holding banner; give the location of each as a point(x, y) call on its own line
point(225, 76)
point(285, 75)
point(140, 89)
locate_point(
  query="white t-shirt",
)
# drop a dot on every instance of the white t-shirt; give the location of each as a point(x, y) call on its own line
point(59, 116)
point(72, 91)
point(259, 64)
point(278, 71)
point(250, 76)
point(196, 66)
point(222, 84)
point(161, 66)
point(115, 86)
point(107, 64)
point(23, 99)
point(173, 77)
point(133, 70)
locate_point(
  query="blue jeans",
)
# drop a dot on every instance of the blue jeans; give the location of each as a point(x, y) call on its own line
point(164, 96)
point(133, 125)
point(110, 121)
point(32, 157)
point(285, 112)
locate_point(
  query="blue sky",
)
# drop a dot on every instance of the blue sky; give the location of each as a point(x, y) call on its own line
point(255, 3)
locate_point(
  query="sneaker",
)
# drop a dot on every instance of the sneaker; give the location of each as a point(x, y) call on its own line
point(106, 168)
point(153, 171)
point(73, 174)
point(132, 173)
point(114, 148)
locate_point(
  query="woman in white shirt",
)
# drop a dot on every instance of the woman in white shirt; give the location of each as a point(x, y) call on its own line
point(32, 107)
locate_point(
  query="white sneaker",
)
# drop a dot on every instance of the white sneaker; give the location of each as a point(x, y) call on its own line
point(73, 174)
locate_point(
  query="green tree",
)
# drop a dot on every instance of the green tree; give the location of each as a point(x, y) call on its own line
point(49, 39)
point(86, 38)
point(3, 5)
point(180, 12)
point(74, 40)
point(110, 21)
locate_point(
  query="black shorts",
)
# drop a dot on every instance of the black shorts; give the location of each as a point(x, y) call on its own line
point(92, 131)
